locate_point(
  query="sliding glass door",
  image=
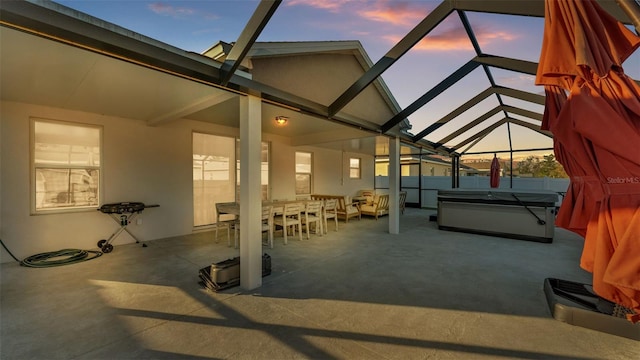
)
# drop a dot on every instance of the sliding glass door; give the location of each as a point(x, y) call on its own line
point(213, 175)
point(216, 174)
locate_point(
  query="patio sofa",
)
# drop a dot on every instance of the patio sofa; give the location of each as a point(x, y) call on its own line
point(378, 206)
point(345, 210)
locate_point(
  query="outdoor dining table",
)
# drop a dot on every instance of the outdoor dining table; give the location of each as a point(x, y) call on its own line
point(278, 207)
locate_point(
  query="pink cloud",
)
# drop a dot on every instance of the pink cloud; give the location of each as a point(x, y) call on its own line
point(400, 16)
point(330, 5)
point(447, 36)
point(455, 38)
point(447, 40)
point(396, 13)
point(435, 43)
point(451, 39)
point(402, 13)
point(166, 9)
point(522, 79)
point(488, 36)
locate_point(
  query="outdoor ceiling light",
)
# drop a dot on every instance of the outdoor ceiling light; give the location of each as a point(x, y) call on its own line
point(281, 120)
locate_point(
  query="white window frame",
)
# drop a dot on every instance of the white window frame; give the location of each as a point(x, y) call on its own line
point(358, 168)
point(310, 173)
point(34, 166)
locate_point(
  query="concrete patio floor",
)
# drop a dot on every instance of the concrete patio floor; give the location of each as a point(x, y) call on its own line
point(359, 293)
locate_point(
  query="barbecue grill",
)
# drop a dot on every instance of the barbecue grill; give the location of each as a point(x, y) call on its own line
point(122, 213)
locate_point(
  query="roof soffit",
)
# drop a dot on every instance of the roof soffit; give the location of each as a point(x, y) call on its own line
point(72, 27)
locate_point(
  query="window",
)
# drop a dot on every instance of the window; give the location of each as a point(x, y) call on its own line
point(382, 166)
point(354, 168)
point(303, 173)
point(66, 164)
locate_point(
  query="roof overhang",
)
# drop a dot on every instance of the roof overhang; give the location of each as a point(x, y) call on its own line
point(211, 83)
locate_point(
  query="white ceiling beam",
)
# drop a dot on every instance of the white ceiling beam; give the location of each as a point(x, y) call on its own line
point(198, 105)
point(326, 137)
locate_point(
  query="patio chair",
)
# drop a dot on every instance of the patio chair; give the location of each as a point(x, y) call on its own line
point(379, 207)
point(229, 222)
point(313, 214)
point(291, 217)
point(347, 210)
point(403, 200)
point(267, 223)
point(330, 211)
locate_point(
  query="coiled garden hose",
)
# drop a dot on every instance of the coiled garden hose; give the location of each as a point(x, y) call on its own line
point(56, 258)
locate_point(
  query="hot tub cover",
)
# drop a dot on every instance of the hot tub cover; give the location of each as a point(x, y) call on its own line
point(500, 196)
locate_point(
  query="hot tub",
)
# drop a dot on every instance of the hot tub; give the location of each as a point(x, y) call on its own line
point(519, 214)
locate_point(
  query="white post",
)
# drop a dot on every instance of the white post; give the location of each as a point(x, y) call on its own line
point(394, 185)
point(250, 193)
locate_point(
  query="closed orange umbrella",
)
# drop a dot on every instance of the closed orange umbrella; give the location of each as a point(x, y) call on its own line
point(593, 110)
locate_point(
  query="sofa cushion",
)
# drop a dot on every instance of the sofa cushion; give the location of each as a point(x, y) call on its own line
point(367, 195)
point(352, 209)
point(367, 208)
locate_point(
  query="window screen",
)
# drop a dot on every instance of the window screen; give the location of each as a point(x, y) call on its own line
point(303, 173)
point(66, 165)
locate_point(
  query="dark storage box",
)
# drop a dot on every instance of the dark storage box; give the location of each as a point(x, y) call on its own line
point(225, 271)
point(225, 274)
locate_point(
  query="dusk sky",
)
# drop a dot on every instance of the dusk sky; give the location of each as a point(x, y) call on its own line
point(378, 25)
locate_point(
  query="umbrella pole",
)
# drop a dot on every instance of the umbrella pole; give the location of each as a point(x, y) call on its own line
point(632, 9)
point(511, 169)
point(510, 157)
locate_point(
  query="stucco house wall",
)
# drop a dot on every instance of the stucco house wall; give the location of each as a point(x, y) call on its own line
point(140, 163)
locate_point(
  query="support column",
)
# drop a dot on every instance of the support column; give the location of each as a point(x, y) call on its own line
point(394, 185)
point(250, 193)
point(455, 171)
